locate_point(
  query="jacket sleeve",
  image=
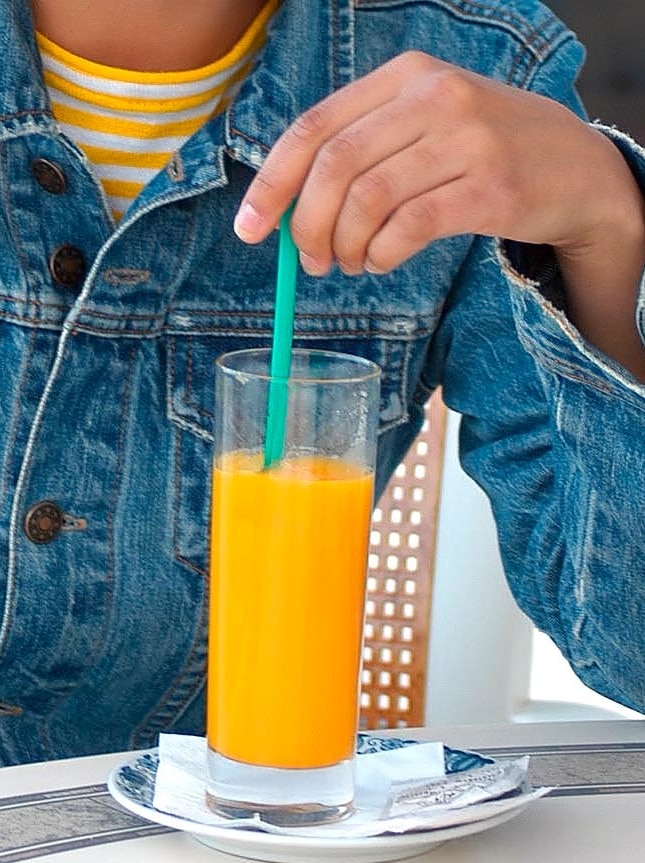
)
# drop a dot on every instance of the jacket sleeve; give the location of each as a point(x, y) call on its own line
point(553, 431)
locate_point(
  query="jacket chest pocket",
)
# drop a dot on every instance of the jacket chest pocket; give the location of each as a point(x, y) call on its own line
point(192, 411)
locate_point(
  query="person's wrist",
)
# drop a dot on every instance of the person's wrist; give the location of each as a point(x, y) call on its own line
point(602, 271)
point(610, 219)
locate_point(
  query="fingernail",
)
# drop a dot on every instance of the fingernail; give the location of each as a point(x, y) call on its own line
point(312, 266)
point(373, 269)
point(349, 270)
point(248, 223)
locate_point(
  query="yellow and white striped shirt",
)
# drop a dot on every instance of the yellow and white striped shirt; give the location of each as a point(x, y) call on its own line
point(130, 123)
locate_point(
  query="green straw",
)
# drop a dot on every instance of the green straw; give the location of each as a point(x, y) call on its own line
point(285, 300)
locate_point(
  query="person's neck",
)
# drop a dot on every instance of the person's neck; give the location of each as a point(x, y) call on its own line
point(146, 35)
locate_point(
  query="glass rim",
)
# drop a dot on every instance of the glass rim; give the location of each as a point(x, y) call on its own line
point(369, 369)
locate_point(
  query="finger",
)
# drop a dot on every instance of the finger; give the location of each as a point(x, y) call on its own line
point(352, 174)
point(457, 207)
point(358, 154)
point(378, 193)
point(284, 171)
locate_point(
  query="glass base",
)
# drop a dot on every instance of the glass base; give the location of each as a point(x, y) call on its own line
point(282, 796)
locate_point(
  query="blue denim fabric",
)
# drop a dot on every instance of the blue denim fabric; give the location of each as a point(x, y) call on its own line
point(106, 393)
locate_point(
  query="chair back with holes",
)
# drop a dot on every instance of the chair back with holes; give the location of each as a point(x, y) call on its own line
point(399, 588)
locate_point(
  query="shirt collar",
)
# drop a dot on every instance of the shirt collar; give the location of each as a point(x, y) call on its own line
point(309, 53)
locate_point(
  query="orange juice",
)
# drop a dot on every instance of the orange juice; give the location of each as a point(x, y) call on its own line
point(288, 567)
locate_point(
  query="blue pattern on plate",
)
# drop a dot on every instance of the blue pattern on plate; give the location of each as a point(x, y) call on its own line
point(137, 780)
point(455, 760)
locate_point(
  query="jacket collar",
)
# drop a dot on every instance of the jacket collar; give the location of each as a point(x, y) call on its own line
point(23, 96)
point(309, 54)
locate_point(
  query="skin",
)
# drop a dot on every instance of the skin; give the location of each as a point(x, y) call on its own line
point(420, 149)
point(146, 35)
point(417, 150)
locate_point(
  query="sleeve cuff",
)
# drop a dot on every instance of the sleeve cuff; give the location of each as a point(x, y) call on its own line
point(547, 334)
point(537, 265)
point(539, 299)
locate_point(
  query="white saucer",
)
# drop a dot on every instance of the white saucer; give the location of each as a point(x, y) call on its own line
point(256, 845)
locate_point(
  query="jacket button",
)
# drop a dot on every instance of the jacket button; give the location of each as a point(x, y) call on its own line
point(49, 176)
point(43, 522)
point(67, 266)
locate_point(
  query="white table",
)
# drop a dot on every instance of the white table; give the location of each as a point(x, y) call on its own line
point(595, 822)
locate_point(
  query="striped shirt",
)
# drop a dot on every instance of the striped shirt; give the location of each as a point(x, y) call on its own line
point(130, 123)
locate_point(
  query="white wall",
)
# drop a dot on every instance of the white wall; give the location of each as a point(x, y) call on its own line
point(480, 645)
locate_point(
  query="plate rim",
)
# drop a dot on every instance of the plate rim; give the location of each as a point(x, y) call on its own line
point(273, 841)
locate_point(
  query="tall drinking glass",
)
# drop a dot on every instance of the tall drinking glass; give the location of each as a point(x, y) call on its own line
point(289, 544)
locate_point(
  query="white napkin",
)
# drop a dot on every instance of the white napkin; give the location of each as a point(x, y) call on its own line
point(396, 791)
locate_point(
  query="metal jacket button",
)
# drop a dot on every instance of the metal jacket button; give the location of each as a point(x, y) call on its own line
point(67, 266)
point(43, 521)
point(49, 176)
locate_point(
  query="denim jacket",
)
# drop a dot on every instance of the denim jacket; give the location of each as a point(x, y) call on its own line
point(108, 335)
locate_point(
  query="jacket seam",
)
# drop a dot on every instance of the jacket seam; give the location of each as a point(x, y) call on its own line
point(486, 14)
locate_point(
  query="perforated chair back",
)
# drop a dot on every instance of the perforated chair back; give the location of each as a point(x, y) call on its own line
point(400, 577)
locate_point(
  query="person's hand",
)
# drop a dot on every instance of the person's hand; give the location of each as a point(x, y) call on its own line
point(420, 149)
